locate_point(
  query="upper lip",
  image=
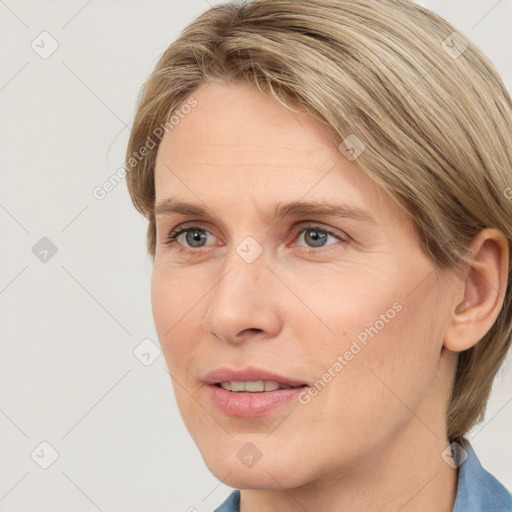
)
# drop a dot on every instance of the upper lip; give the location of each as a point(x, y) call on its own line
point(249, 374)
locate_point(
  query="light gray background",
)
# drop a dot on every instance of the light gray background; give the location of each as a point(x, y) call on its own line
point(68, 375)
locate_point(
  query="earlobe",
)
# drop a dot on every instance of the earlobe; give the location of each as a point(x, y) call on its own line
point(483, 292)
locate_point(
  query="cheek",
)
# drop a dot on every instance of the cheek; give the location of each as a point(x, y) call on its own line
point(175, 306)
point(389, 351)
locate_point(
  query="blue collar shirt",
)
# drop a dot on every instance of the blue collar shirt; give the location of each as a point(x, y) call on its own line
point(477, 490)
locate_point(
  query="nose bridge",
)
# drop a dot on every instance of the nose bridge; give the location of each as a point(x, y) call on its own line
point(239, 280)
point(240, 298)
point(244, 265)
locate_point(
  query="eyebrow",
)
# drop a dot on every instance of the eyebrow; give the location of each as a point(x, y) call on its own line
point(279, 211)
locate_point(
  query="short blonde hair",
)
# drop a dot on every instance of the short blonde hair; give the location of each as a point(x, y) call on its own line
point(431, 110)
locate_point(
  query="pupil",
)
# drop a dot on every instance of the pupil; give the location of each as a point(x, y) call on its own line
point(195, 236)
point(317, 236)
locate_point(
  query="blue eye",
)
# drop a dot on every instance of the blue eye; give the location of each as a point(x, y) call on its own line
point(193, 235)
point(317, 237)
point(196, 236)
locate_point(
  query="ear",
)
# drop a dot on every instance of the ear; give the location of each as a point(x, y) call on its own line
point(480, 297)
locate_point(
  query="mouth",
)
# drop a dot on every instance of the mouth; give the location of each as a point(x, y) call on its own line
point(251, 379)
point(251, 392)
point(258, 386)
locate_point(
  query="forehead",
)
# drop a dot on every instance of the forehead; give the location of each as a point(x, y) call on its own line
point(239, 118)
point(236, 140)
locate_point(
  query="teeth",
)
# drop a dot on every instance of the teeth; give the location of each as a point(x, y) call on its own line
point(237, 386)
point(271, 385)
point(253, 387)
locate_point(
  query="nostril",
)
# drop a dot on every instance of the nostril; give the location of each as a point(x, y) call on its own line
point(252, 329)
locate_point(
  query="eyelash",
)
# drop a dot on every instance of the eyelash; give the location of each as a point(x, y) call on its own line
point(173, 235)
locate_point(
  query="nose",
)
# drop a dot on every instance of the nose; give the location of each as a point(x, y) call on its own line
point(244, 303)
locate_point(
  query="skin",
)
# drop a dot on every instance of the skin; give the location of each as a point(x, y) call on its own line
point(372, 438)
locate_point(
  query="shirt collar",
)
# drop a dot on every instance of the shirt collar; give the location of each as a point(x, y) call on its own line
point(478, 490)
point(232, 504)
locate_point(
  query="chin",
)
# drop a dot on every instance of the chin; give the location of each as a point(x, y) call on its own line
point(254, 478)
point(241, 465)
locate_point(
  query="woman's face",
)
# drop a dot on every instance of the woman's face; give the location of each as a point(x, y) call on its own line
point(344, 303)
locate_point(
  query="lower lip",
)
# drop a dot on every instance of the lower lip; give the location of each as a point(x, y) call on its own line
point(251, 405)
